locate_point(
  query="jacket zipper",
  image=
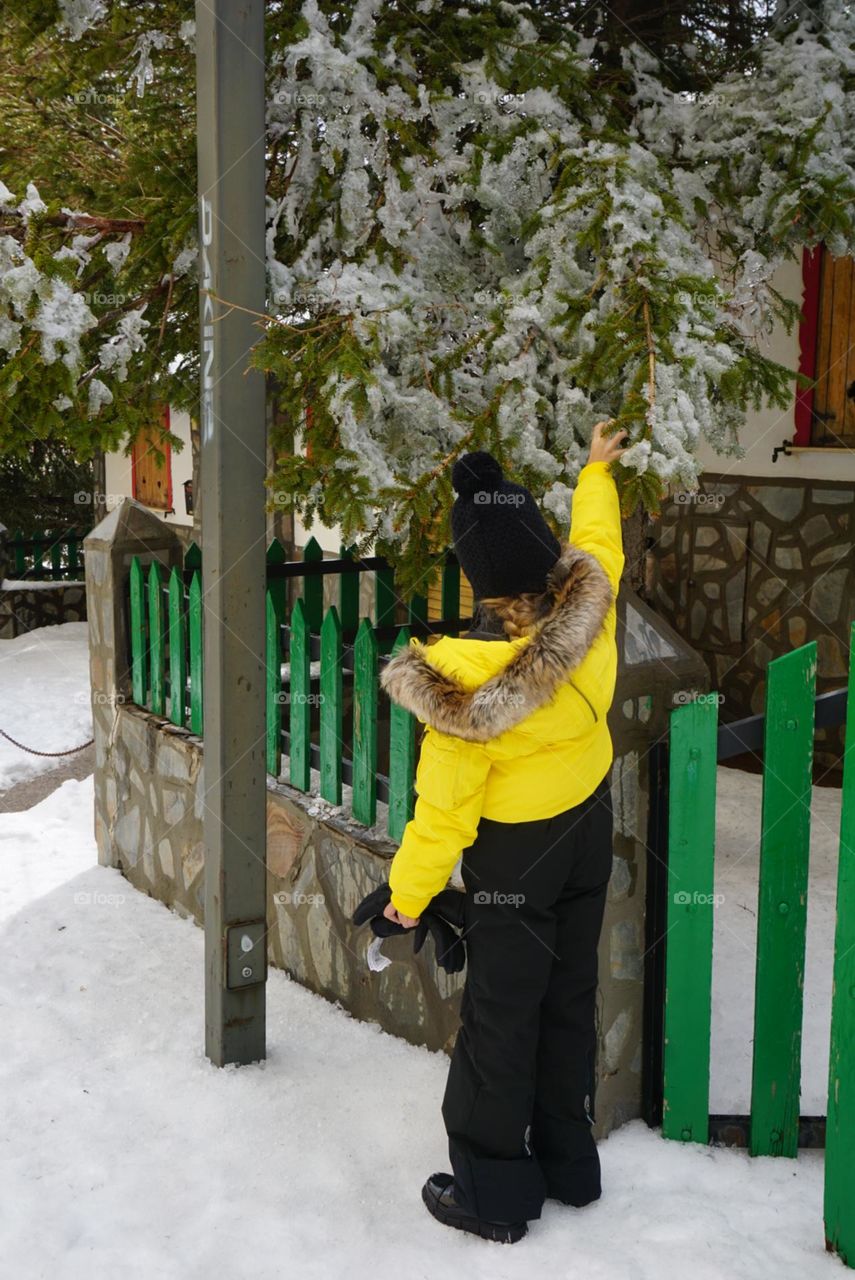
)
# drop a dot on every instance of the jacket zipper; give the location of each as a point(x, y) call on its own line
point(590, 706)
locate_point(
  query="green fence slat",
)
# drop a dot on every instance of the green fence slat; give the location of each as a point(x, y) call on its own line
point(56, 570)
point(384, 602)
point(20, 558)
point(155, 638)
point(73, 555)
point(450, 590)
point(273, 657)
point(38, 556)
point(839, 1203)
point(782, 902)
point(138, 637)
point(278, 587)
point(402, 758)
point(299, 689)
point(417, 609)
point(365, 686)
point(193, 556)
point(177, 647)
point(313, 587)
point(332, 698)
point(194, 618)
point(348, 595)
point(689, 935)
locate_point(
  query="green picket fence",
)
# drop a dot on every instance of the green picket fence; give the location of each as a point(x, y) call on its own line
point(46, 556)
point(318, 660)
point(781, 922)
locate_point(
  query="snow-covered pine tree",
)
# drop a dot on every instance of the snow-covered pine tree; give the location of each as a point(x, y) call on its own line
point(489, 226)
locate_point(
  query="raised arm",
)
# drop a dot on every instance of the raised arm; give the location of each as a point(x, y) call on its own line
point(595, 524)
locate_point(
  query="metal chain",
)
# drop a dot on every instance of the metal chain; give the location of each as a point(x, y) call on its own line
point(70, 751)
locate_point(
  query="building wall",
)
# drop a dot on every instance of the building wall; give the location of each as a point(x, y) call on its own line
point(768, 428)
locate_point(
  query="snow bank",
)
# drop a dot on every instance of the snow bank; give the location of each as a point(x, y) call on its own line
point(44, 698)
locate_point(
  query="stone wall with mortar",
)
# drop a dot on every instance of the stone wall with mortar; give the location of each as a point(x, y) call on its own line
point(748, 569)
point(47, 604)
point(149, 798)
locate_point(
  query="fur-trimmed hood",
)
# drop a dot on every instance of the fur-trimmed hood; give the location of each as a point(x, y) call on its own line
point(581, 596)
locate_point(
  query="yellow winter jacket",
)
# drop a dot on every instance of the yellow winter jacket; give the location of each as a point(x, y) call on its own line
point(516, 729)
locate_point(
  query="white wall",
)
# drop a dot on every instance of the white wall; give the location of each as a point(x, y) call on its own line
point(329, 539)
point(118, 476)
point(765, 430)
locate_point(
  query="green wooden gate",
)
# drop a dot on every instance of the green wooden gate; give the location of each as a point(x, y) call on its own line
point(781, 921)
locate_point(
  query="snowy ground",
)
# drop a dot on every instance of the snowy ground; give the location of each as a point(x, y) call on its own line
point(44, 697)
point(126, 1153)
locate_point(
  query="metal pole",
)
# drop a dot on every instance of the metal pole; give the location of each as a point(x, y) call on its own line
point(230, 136)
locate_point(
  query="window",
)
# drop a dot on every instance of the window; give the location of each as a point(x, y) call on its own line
point(825, 412)
point(152, 479)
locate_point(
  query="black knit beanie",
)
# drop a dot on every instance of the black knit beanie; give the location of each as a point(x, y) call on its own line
point(503, 544)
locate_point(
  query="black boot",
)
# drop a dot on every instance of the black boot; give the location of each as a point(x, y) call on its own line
point(438, 1195)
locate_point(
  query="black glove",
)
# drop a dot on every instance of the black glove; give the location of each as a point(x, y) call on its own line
point(443, 918)
point(371, 908)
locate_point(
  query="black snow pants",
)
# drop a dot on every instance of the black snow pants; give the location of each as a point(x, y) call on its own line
point(519, 1102)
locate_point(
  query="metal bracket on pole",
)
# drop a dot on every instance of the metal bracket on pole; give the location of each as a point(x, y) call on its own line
point(230, 97)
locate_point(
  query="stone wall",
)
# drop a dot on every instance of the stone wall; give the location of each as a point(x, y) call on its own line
point(747, 570)
point(149, 797)
point(26, 606)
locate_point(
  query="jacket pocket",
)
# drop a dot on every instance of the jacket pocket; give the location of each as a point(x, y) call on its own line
point(591, 706)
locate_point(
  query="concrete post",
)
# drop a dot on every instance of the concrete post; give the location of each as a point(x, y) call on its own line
point(230, 96)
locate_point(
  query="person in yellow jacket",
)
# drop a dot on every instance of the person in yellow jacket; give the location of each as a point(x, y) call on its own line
point(514, 774)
